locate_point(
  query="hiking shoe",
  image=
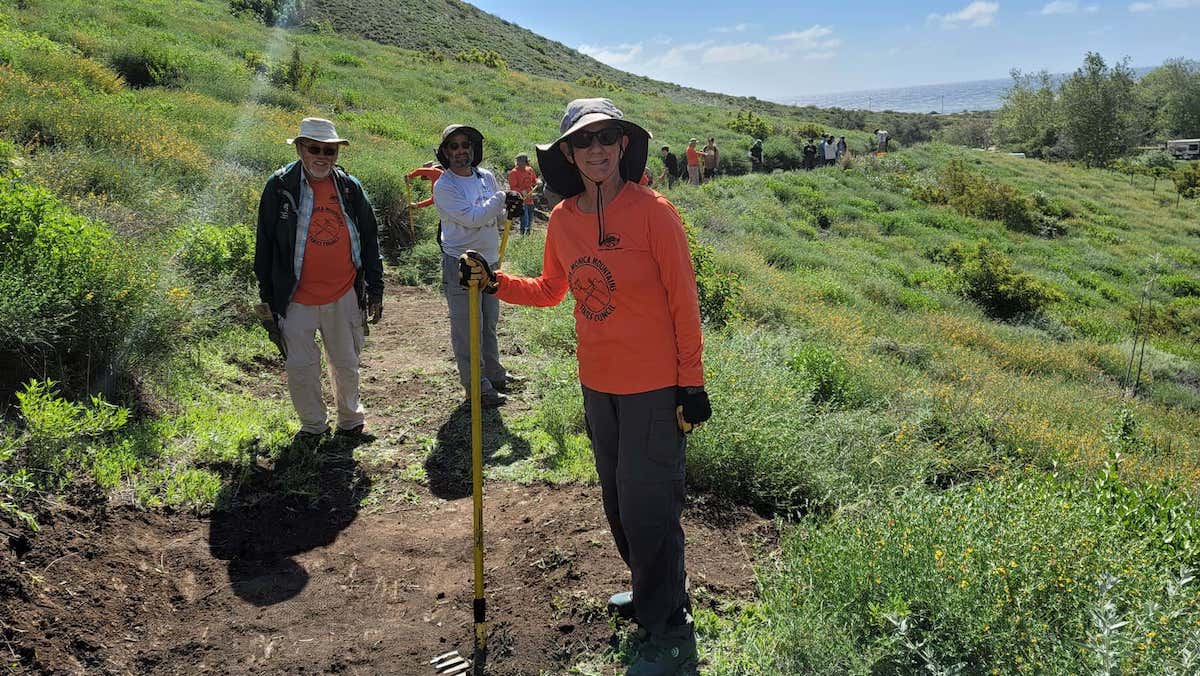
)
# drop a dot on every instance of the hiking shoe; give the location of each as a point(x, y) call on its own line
point(356, 431)
point(621, 605)
point(668, 655)
point(493, 399)
point(511, 381)
point(311, 439)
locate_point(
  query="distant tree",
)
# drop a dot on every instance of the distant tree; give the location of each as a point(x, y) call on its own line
point(1099, 110)
point(847, 119)
point(295, 74)
point(1171, 95)
point(1028, 119)
point(1187, 181)
point(972, 131)
point(1157, 164)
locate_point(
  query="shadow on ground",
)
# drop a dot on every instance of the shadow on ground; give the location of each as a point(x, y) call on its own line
point(301, 502)
point(448, 466)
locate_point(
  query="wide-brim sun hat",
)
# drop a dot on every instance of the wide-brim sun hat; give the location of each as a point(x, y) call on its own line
point(472, 134)
point(562, 176)
point(320, 130)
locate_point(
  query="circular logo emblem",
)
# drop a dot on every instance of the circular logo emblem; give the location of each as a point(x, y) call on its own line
point(593, 286)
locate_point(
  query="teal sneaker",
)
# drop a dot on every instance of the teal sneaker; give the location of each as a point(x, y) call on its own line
point(621, 605)
point(668, 656)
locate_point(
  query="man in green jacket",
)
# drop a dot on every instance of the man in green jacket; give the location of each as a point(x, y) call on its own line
point(318, 266)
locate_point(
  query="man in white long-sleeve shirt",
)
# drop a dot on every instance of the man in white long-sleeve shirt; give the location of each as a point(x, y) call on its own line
point(471, 206)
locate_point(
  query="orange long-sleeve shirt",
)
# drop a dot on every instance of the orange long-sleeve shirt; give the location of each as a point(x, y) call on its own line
point(637, 317)
point(523, 180)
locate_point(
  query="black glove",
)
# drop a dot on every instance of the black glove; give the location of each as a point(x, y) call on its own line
point(694, 401)
point(472, 265)
point(514, 203)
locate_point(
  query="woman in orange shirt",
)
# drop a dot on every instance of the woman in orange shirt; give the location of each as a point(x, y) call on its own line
point(621, 250)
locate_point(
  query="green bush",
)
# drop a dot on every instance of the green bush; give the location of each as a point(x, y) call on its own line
point(746, 122)
point(296, 75)
point(831, 381)
point(487, 57)
point(1030, 573)
point(211, 253)
point(781, 153)
point(986, 275)
point(1181, 285)
point(75, 303)
point(59, 433)
point(150, 66)
point(719, 291)
point(597, 82)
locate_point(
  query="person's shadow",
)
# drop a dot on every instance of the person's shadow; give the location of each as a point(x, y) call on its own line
point(265, 516)
point(448, 466)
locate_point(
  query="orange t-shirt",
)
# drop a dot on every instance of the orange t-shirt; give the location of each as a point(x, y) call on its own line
point(523, 180)
point(327, 272)
point(637, 317)
point(693, 157)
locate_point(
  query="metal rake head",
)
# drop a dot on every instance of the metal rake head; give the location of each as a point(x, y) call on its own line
point(450, 663)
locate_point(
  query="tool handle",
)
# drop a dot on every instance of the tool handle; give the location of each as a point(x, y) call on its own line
point(504, 241)
point(473, 294)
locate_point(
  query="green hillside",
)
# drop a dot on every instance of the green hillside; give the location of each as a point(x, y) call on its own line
point(919, 362)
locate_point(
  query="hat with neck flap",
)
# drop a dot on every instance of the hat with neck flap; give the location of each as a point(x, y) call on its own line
point(472, 134)
point(562, 176)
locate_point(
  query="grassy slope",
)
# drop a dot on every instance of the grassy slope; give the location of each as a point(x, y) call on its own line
point(451, 26)
point(931, 392)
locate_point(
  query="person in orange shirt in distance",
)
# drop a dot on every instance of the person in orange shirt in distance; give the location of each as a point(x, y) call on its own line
point(523, 179)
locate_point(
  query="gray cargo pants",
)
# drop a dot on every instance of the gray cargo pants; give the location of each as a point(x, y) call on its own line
point(640, 459)
point(460, 335)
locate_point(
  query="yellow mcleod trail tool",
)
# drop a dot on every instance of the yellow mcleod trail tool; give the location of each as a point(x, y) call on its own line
point(504, 240)
point(452, 663)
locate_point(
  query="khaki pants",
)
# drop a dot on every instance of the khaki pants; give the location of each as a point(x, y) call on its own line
point(694, 174)
point(340, 324)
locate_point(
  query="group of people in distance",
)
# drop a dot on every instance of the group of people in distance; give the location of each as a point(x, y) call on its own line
point(824, 155)
point(617, 246)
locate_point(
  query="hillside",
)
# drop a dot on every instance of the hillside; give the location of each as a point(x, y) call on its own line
point(919, 363)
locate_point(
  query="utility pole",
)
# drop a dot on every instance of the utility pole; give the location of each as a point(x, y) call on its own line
point(942, 107)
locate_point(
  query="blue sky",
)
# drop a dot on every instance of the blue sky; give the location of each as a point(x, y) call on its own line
point(777, 50)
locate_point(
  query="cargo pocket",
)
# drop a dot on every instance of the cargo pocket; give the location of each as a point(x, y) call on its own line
point(664, 446)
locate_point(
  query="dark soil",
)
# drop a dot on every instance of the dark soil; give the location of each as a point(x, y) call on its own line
point(343, 580)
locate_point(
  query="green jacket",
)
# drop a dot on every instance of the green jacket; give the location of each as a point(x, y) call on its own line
point(284, 212)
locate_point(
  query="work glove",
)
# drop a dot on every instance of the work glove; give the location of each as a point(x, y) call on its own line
point(472, 266)
point(269, 322)
point(692, 407)
point(375, 309)
point(514, 203)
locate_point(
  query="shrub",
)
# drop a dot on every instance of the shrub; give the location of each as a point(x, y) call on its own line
point(597, 82)
point(488, 57)
point(985, 275)
point(746, 122)
point(212, 252)
point(830, 380)
point(295, 74)
point(149, 67)
point(1187, 180)
point(1031, 573)
point(1181, 285)
point(719, 291)
point(58, 432)
point(781, 153)
point(733, 163)
point(346, 59)
point(74, 301)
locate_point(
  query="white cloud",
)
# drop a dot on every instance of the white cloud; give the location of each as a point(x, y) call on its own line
point(975, 15)
point(614, 55)
point(1163, 4)
point(746, 51)
point(738, 28)
point(1061, 7)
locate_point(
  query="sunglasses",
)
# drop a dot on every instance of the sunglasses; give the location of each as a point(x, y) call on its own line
point(607, 137)
point(327, 151)
point(455, 145)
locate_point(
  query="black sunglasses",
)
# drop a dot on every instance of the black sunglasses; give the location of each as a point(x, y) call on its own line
point(607, 136)
point(454, 145)
point(327, 151)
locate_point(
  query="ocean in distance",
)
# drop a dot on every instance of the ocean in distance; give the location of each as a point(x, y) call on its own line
point(952, 97)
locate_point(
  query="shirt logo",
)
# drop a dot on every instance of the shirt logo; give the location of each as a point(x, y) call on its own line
point(325, 227)
point(593, 286)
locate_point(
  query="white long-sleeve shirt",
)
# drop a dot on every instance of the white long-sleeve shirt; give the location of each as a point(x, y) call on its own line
point(470, 208)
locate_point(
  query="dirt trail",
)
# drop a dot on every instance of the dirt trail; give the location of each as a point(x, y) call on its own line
point(373, 575)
